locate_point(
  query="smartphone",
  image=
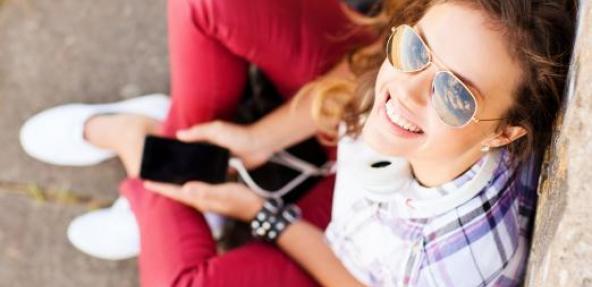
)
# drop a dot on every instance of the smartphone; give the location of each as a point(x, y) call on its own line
point(272, 176)
point(172, 161)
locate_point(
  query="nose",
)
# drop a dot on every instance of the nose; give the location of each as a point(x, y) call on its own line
point(415, 88)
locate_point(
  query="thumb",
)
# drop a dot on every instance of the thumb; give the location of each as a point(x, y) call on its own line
point(208, 197)
point(200, 132)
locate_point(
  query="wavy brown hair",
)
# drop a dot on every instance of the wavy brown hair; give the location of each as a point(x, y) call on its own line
point(540, 36)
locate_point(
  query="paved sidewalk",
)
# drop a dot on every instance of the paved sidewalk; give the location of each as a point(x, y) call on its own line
point(35, 252)
point(54, 52)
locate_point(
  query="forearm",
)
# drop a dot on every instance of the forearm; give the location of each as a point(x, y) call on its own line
point(286, 125)
point(305, 243)
point(290, 124)
point(293, 122)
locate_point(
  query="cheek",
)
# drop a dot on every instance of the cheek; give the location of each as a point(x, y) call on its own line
point(446, 142)
point(384, 74)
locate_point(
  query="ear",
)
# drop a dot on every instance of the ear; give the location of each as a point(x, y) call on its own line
point(506, 136)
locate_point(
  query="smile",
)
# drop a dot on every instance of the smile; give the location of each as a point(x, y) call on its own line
point(397, 119)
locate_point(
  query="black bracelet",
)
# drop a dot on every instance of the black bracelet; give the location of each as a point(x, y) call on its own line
point(273, 219)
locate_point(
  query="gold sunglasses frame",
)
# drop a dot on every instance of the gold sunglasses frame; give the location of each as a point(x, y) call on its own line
point(442, 69)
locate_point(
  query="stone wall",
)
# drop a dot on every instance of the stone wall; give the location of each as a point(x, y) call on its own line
point(562, 249)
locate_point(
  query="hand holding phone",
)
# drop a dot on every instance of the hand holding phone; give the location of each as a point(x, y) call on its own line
point(239, 139)
point(172, 161)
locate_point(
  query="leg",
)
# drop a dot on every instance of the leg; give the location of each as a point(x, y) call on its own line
point(178, 250)
point(293, 42)
point(209, 61)
point(211, 42)
point(123, 134)
point(207, 81)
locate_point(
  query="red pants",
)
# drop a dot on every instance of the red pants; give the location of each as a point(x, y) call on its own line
point(211, 44)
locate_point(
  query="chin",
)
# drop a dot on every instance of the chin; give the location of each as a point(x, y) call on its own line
point(383, 143)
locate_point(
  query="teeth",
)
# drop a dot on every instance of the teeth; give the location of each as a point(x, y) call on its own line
point(399, 120)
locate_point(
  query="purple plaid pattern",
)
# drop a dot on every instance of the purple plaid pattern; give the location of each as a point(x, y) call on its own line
point(482, 242)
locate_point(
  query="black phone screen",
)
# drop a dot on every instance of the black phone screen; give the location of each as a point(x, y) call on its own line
point(272, 176)
point(173, 161)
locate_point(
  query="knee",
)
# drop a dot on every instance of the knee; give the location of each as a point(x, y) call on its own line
point(209, 15)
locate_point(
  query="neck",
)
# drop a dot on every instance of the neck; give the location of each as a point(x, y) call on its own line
point(431, 173)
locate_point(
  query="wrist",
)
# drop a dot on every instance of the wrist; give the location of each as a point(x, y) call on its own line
point(254, 207)
point(272, 219)
point(261, 139)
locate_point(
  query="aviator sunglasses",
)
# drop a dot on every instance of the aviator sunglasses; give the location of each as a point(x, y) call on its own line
point(452, 100)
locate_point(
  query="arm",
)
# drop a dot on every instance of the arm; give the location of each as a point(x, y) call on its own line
point(293, 122)
point(302, 241)
point(255, 143)
point(290, 123)
point(305, 243)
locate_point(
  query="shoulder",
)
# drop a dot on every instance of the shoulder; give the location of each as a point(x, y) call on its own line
point(481, 240)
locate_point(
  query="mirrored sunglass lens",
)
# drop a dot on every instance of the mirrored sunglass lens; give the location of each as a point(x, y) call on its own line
point(406, 51)
point(451, 100)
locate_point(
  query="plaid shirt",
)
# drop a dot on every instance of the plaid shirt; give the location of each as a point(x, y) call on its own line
point(388, 230)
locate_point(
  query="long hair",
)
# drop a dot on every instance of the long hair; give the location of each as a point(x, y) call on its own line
point(540, 35)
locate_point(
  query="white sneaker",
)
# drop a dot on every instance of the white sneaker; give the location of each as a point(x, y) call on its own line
point(56, 135)
point(113, 233)
point(110, 233)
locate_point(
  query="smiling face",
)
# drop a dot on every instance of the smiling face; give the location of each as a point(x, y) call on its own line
point(403, 122)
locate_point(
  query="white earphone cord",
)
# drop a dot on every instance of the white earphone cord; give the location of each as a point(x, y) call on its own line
point(288, 160)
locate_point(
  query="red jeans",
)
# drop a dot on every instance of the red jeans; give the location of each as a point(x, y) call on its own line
point(211, 45)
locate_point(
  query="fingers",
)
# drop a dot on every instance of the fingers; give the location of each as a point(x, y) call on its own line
point(216, 198)
point(202, 132)
point(171, 191)
point(202, 196)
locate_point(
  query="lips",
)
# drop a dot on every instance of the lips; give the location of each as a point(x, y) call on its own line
point(395, 115)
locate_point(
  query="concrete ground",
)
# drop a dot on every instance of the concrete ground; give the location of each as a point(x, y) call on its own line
point(54, 52)
point(34, 250)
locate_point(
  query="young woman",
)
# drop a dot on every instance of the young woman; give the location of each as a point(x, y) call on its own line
point(434, 184)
